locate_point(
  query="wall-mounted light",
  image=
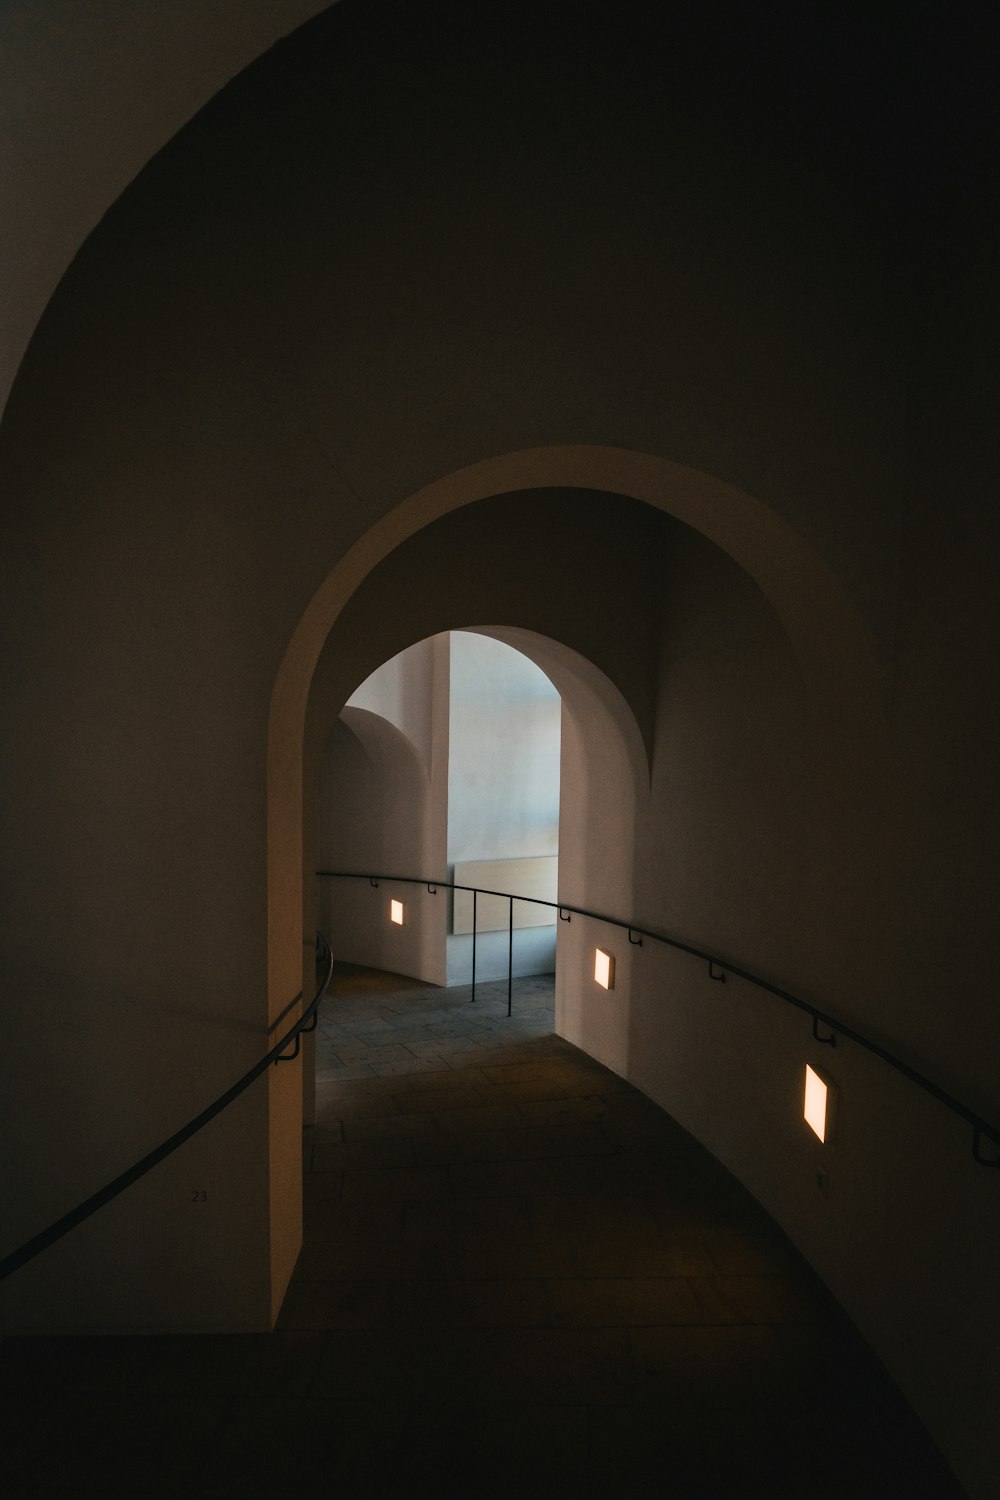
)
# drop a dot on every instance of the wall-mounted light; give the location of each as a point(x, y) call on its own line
point(818, 1104)
point(604, 969)
point(396, 912)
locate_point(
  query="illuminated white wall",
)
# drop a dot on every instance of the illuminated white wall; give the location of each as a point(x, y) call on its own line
point(503, 786)
point(456, 738)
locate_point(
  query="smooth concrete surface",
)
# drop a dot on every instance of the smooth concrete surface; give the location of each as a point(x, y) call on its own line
point(503, 764)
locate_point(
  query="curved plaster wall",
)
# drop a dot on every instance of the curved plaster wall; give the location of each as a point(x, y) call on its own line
point(678, 271)
point(376, 811)
point(604, 785)
point(87, 96)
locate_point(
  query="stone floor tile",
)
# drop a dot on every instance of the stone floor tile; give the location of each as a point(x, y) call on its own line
point(603, 1176)
point(374, 1052)
point(753, 1254)
point(460, 1096)
point(636, 1251)
point(676, 1455)
point(578, 1213)
point(322, 1187)
point(566, 1107)
point(383, 1126)
point(470, 1056)
point(335, 1071)
point(367, 1260)
point(417, 1032)
point(373, 1219)
point(508, 1253)
point(68, 1363)
point(542, 1072)
point(440, 1221)
point(482, 1117)
point(582, 1364)
point(336, 1304)
point(333, 1107)
point(714, 1367)
point(470, 1303)
point(312, 1135)
point(339, 1156)
point(365, 1086)
point(444, 1150)
point(503, 1178)
point(406, 1364)
point(684, 1210)
point(494, 1448)
point(125, 1444)
point(557, 1139)
point(233, 1365)
point(758, 1299)
point(407, 1069)
point(349, 1447)
point(397, 1184)
point(449, 1077)
point(622, 1302)
point(364, 1026)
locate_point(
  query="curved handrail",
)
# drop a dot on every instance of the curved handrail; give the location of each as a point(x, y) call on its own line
point(47, 1237)
point(981, 1128)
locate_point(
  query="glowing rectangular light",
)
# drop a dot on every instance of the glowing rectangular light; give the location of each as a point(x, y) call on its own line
point(604, 969)
point(396, 912)
point(815, 1107)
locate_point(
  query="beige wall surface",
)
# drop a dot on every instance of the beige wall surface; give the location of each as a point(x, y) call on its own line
point(423, 256)
point(382, 808)
point(87, 95)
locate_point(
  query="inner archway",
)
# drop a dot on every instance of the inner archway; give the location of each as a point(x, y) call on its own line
point(444, 764)
point(602, 563)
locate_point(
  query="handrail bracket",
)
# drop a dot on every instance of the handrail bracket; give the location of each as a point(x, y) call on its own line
point(827, 1041)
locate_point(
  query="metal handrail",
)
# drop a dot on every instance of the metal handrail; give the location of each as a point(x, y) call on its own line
point(305, 1023)
point(981, 1128)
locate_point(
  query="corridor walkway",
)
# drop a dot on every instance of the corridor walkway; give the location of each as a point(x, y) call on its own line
point(533, 1280)
point(519, 1278)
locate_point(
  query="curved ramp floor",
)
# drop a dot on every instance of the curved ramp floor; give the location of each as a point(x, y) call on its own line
point(519, 1277)
point(533, 1278)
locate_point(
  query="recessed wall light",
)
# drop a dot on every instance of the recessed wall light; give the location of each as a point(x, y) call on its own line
point(817, 1105)
point(604, 969)
point(396, 912)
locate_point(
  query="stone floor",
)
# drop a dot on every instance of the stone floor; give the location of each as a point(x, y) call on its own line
point(518, 1274)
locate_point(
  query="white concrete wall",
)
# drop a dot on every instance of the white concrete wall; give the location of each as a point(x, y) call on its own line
point(382, 808)
point(503, 787)
point(475, 760)
point(401, 691)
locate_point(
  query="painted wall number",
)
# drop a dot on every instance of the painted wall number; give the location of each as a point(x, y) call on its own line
point(199, 1195)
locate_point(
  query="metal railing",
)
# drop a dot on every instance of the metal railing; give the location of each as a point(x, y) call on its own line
point(718, 969)
point(276, 1054)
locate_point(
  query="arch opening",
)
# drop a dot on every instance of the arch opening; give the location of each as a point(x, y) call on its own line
point(826, 664)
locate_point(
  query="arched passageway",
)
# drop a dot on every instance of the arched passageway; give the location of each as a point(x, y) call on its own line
point(758, 737)
point(525, 1275)
point(396, 250)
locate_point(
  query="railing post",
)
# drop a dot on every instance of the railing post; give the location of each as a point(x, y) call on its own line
point(510, 954)
point(475, 895)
